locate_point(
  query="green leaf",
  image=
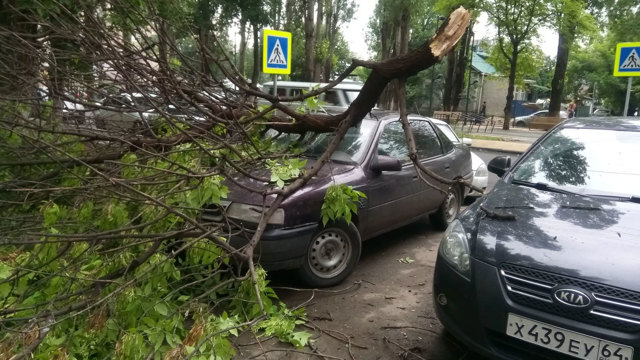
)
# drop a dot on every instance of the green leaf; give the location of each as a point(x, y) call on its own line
point(5, 270)
point(300, 338)
point(51, 211)
point(161, 308)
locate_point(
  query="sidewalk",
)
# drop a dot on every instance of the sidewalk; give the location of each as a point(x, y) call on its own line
point(506, 146)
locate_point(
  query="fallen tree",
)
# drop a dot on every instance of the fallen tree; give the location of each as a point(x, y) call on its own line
point(103, 253)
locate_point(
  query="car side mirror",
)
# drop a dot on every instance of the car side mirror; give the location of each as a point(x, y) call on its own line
point(385, 163)
point(467, 141)
point(499, 165)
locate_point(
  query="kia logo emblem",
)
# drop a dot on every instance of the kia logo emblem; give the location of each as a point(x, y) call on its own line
point(572, 297)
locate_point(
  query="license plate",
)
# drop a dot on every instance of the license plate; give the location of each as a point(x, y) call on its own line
point(565, 341)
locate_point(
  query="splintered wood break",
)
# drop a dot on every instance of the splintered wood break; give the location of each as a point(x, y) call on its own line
point(450, 32)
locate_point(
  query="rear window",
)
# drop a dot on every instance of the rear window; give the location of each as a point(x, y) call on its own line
point(586, 161)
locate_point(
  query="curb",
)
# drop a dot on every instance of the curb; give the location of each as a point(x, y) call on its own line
point(511, 151)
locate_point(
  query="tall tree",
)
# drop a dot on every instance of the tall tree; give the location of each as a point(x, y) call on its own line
point(458, 60)
point(391, 33)
point(517, 22)
point(318, 41)
point(309, 45)
point(572, 20)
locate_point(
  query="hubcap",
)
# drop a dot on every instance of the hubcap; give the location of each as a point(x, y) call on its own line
point(329, 253)
point(451, 206)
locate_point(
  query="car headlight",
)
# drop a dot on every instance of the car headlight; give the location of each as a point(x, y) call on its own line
point(481, 171)
point(454, 248)
point(252, 214)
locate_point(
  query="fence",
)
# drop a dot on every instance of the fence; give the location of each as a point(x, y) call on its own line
point(469, 122)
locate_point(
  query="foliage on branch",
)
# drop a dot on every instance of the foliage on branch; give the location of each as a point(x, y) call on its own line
point(340, 202)
point(122, 124)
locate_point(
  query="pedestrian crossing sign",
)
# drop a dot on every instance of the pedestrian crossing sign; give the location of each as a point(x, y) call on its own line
point(627, 59)
point(276, 52)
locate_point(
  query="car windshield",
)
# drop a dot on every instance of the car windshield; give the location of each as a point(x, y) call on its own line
point(449, 133)
point(352, 149)
point(595, 162)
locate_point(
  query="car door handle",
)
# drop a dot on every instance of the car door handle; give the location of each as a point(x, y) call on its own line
point(447, 166)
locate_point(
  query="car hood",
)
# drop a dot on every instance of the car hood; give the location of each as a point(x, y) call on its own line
point(590, 238)
point(240, 185)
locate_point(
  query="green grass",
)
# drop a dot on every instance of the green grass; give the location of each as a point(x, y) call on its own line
point(479, 137)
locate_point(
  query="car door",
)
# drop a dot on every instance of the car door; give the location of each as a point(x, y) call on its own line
point(392, 195)
point(436, 152)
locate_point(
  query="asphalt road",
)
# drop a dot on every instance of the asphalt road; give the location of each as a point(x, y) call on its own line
point(384, 310)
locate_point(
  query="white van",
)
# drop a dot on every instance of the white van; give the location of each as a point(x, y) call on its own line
point(339, 97)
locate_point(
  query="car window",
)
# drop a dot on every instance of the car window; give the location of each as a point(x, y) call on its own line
point(586, 161)
point(448, 131)
point(427, 141)
point(445, 140)
point(393, 142)
point(116, 101)
point(332, 98)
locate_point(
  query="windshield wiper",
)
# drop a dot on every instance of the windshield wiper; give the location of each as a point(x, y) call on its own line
point(543, 186)
point(630, 198)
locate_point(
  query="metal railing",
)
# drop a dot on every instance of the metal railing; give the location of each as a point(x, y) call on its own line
point(469, 122)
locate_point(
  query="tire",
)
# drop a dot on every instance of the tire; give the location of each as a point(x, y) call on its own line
point(520, 124)
point(333, 252)
point(448, 210)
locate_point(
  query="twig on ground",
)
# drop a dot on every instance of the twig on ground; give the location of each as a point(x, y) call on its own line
point(407, 351)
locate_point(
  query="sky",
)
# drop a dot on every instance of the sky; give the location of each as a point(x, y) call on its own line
point(355, 31)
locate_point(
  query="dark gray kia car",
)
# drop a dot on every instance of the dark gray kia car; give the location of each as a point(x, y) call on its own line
point(373, 158)
point(547, 264)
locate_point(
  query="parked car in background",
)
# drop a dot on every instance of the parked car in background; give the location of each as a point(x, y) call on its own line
point(524, 121)
point(479, 168)
point(73, 111)
point(126, 112)
point(336, 99)
point(545, 265)
point(601, 112)
point(372, 158)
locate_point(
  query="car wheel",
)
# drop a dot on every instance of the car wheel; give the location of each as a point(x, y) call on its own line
point(332, 255)
point(520, 124)
point(448, 210)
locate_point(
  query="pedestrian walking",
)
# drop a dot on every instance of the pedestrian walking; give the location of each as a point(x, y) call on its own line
point(571, 110)
point(482, 114)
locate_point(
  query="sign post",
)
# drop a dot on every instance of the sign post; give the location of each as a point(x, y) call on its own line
point(276, 54)
point(627, 64)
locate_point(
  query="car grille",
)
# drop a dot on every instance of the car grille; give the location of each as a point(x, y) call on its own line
point(614, 308)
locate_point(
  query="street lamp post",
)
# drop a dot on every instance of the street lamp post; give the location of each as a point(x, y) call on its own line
point(433, 75)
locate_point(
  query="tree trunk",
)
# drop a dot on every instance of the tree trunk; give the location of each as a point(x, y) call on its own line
point(308, 37)
point(557, 84)
point(387, 33)
point(458, 77)
point(331, 20)
point(510, 91)
point(447, 101)
point(242, 52)
point(19, 70)
point(257, 64)
point(289, 14)
point(317, 71)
